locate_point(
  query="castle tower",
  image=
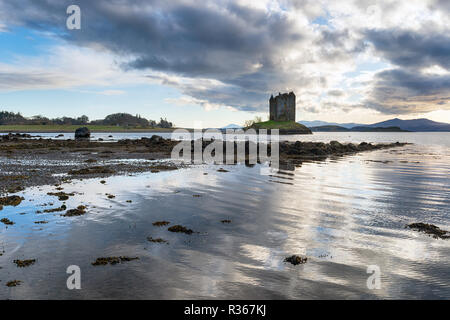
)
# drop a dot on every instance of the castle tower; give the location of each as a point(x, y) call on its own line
point(282, 107)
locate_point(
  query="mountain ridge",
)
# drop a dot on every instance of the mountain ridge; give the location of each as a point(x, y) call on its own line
point(416, 125)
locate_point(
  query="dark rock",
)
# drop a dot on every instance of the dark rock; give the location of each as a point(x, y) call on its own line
point(11, 201)
point(295, 260)
point(7, 221)
point(62, 196)
point(181, 229)
point(430, 229)
point(157, 240)
point(112, 260)
point(161, 223)
point(91, 170)
point(62, 208)
point(13, 283)
point(24, 263)
point(156, 139)
point(82, 133)
point(80, 210)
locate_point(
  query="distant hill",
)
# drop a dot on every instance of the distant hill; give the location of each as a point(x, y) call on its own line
point(318, 123)
point(232, 126)
point(355, 129)
point(414, 125)
point(419, 125)
point(377, 129)
point(329, 128)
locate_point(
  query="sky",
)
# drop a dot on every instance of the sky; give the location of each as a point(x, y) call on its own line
point(217, 62)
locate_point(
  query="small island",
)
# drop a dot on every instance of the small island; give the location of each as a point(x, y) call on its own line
point(285, 127)
point(282, 116)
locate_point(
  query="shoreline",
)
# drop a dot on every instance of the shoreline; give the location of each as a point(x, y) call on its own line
point(34, 162)
point(71, 130)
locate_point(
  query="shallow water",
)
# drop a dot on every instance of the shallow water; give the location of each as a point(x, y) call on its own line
point(344, 214)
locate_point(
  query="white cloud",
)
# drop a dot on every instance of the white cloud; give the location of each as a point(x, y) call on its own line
point(64, 67)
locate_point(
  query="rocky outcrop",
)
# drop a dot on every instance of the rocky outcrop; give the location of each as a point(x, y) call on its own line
point(82, 133)
point(15, 136)
point(430, 229)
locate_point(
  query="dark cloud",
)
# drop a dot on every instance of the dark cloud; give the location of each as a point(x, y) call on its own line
point(408, 88)
point(401, 92)
point(412, 49)
point(443, 5)
point(239, 46)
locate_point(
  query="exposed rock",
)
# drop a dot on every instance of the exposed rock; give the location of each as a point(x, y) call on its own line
point(156, 139)
point(11, 201)
point(15, 189)
point(161, 223)
point(82, 133)
point(179, 228)
point(430, 229)
point(7, 221)
point(112, 260)
point(13, 283)
point(15, 136)
point(157, 240)
point(80, 210)
point(62, 208)
point(295, 260)
point(62, 196)
point(92, 170)
point(24, 263)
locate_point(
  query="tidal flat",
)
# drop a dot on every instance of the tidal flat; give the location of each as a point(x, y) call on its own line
point(142, 226)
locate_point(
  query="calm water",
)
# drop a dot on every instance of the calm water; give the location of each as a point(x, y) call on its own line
point(344, 214)
point(423, 138)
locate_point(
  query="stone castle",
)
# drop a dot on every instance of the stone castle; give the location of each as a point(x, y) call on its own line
point(282, 107)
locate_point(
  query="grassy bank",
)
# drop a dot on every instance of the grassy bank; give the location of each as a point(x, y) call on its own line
point(72, 128)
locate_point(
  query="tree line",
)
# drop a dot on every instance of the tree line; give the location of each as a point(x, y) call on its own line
point(116, 119)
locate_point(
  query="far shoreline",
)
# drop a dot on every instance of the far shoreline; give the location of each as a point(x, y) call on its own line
point(115, 129)
point(72, 128)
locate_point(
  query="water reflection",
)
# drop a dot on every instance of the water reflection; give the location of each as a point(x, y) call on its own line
point(343, 214)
